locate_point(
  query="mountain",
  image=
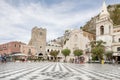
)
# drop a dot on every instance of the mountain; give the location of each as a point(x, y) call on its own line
point(114, 11)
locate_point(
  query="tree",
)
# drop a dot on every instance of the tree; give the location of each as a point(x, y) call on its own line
point(54, 54)
point(98, 49)
point(98, 52)
point(109, 55)
point(78, 52)
point(66, 52)
point(99, 43)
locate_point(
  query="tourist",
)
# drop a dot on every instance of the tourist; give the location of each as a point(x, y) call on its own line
point(0, 58)
point(3, 57)
point(113, 61)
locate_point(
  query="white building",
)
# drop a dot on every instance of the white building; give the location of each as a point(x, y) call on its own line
point(116, 41)
point(106, 31)
point(78, 39)
point(104, 27)
point(51, 46)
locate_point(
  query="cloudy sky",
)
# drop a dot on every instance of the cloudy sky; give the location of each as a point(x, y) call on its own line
point(18, 17)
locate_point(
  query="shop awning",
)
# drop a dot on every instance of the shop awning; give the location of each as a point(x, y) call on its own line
point(19, 54)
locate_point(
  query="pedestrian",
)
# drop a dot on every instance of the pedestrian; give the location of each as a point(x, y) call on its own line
point(3, 57)
point(0, 58)
point(113, 61)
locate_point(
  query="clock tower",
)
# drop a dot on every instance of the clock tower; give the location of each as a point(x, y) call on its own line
point(38, 39)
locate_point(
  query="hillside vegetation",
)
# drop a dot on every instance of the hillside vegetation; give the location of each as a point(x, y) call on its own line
point(114, 11)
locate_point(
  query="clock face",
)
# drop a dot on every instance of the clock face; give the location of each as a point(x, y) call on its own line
point(40, 33)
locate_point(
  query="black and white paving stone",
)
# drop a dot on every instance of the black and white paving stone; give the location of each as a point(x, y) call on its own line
point(58, 71)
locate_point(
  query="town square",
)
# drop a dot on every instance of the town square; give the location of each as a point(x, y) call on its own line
point(58, 71)
point(60, 40)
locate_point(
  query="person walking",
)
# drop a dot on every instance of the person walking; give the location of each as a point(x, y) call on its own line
point(113, 61)
point(3, 56)
point(0, 58)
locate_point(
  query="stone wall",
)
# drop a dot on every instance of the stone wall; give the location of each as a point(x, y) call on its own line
point(38, 39)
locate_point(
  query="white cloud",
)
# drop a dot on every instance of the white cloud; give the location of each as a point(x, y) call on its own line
point(16, 22)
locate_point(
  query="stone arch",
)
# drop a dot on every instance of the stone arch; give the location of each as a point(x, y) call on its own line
point(101, 30)
point(48, 50)
point(40, 54)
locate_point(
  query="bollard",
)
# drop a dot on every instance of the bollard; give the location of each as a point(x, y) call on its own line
point(102, 62)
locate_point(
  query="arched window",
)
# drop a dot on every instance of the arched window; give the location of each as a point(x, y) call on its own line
point(119, 40)
point(75, 38)
point(118, 48)
point(101, 30)
point(48, 50)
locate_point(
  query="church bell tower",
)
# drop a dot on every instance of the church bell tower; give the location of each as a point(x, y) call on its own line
point(104, 27)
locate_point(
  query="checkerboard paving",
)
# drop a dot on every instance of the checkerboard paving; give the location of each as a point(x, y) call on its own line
point(58, 71)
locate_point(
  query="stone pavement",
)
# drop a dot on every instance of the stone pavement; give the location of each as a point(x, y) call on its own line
point(58, 71)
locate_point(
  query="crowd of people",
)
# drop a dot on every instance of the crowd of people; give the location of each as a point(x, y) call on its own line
point(3, 58)
point(77, 60)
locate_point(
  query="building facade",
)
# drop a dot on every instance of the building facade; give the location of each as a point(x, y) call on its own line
point(104, 27)
point(116, 41)
point(79, 39)
point(106, 31)
point(28, 50)
point(53, 46)
point(38, 39)
point(11, 47)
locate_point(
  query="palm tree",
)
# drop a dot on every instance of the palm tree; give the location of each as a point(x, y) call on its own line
point(98, 49)
point(99, 43)
point(54, 54)
point(66, 52)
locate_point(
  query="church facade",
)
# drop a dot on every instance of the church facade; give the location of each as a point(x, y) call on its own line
point(79, 39)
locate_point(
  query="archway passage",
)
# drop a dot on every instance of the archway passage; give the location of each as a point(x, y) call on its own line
point(40, 54)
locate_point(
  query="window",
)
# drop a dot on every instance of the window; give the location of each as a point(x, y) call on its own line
point(40, 33)
point(15, 45)
point(109, 29)
point(75, 38)
point(29, 51)
point(48, 50)
point(119, 40)
point(101, 30)
point(118, 48)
